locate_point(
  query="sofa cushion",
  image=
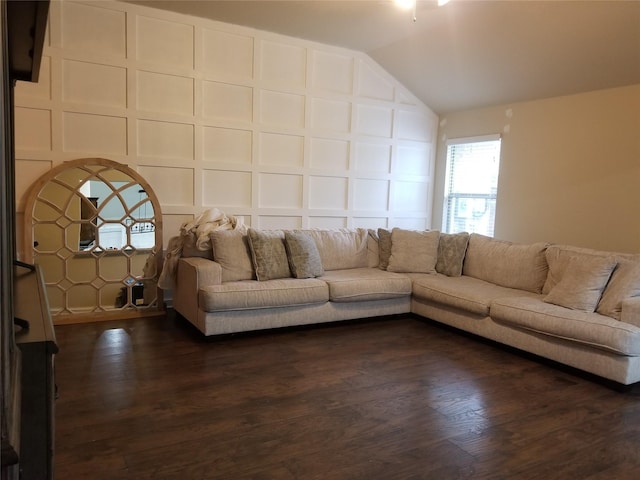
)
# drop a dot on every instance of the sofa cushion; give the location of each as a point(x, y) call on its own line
point(466, 293)
point(582, 283)
point(591, 329)
point(373, 252)
point(512, 265)
point(247, 295)
point(413, 251)
point(624, 284)
point(231, 251)
point(341, 248)
point(384, 246)
point(302, 254)
point(360, 284)
point(268, 254)
point(451, 251)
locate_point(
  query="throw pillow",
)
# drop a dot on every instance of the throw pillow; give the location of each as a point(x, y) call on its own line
point(413, 251)
point(302, 253)
point(268, 254)
point(384, 247)
point(231, 251)
point(624, 283)
point(451, 250)
point(582, 283)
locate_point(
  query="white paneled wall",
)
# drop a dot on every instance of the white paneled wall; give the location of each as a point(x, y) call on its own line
point(285, 132)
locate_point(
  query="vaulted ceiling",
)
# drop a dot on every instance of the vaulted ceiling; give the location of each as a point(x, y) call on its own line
point(467, 53)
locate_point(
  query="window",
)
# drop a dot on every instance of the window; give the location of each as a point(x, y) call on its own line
point(471, 185)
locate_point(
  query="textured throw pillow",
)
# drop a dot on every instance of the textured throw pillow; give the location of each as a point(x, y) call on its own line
point(413, 251)
point(582, 283)
point(231, 251)
point(624, 283)
point(268, 254)
point(303, 255)
point(451, 250)
point(384, 248)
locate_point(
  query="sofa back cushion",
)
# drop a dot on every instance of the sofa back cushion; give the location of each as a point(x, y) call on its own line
point(512, 265)
point(341, 248)
point(231, 251)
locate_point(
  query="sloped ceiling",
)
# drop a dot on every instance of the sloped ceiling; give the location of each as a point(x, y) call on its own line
point(467, 53)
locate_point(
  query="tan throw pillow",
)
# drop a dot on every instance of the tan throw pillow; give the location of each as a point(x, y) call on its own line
point(231, 251)
point(624, 283)
point(268, 254)
point(302, 253)
point(384, 247)
point(582, 283)
point(451, 250)
point(413, 251)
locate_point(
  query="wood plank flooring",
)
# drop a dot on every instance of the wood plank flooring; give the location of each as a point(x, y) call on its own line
point(388, 399)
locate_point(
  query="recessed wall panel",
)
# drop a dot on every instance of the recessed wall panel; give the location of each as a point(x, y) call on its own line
point(373, 157)
point(227, 101)
point(93, 29)
point(165, 139)
point(374, 121)
point(333, 72)
point(411, 196)
point(94, 84)
point(371, 194)
point(281, 150)
point(372, 85)
point(94, 133)
point(227, 54)
point(171, 224)
point(226, 145)
point(413, 160)
point(409, 223)
point(331, 223)
point(283, 65)
point(282, 109)
point(332, 115)
point(222, 188)
point(158, 92)
point(370, 222)
point(41, 89)
point(173, 186)
point(329, 154)
point(32, 129)
point(329, 193)
point(280, 191)
point(165, 43)
point(413, 125)
point(275, 222)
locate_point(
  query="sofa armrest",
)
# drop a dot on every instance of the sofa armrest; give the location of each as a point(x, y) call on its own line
point(193, 273)
point(631, 311)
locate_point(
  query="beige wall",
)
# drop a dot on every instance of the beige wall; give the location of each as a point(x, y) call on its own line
point(284, 132)
point(570, 167)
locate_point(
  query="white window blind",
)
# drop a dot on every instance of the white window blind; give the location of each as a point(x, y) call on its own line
point(471, 185)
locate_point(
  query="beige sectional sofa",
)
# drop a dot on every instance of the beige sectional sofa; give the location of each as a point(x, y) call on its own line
point(572, 305)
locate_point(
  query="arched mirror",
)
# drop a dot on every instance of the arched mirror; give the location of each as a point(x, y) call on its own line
point(94, 227)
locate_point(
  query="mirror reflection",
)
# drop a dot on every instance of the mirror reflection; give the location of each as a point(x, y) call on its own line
point(93, 227)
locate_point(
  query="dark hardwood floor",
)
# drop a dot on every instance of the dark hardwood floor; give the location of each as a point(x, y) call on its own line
point(390, 399)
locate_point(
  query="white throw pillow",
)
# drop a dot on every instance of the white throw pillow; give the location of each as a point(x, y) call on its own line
point(624, 283)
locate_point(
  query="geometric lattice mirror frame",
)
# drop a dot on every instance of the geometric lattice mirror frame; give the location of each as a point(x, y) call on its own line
point(94, 226)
